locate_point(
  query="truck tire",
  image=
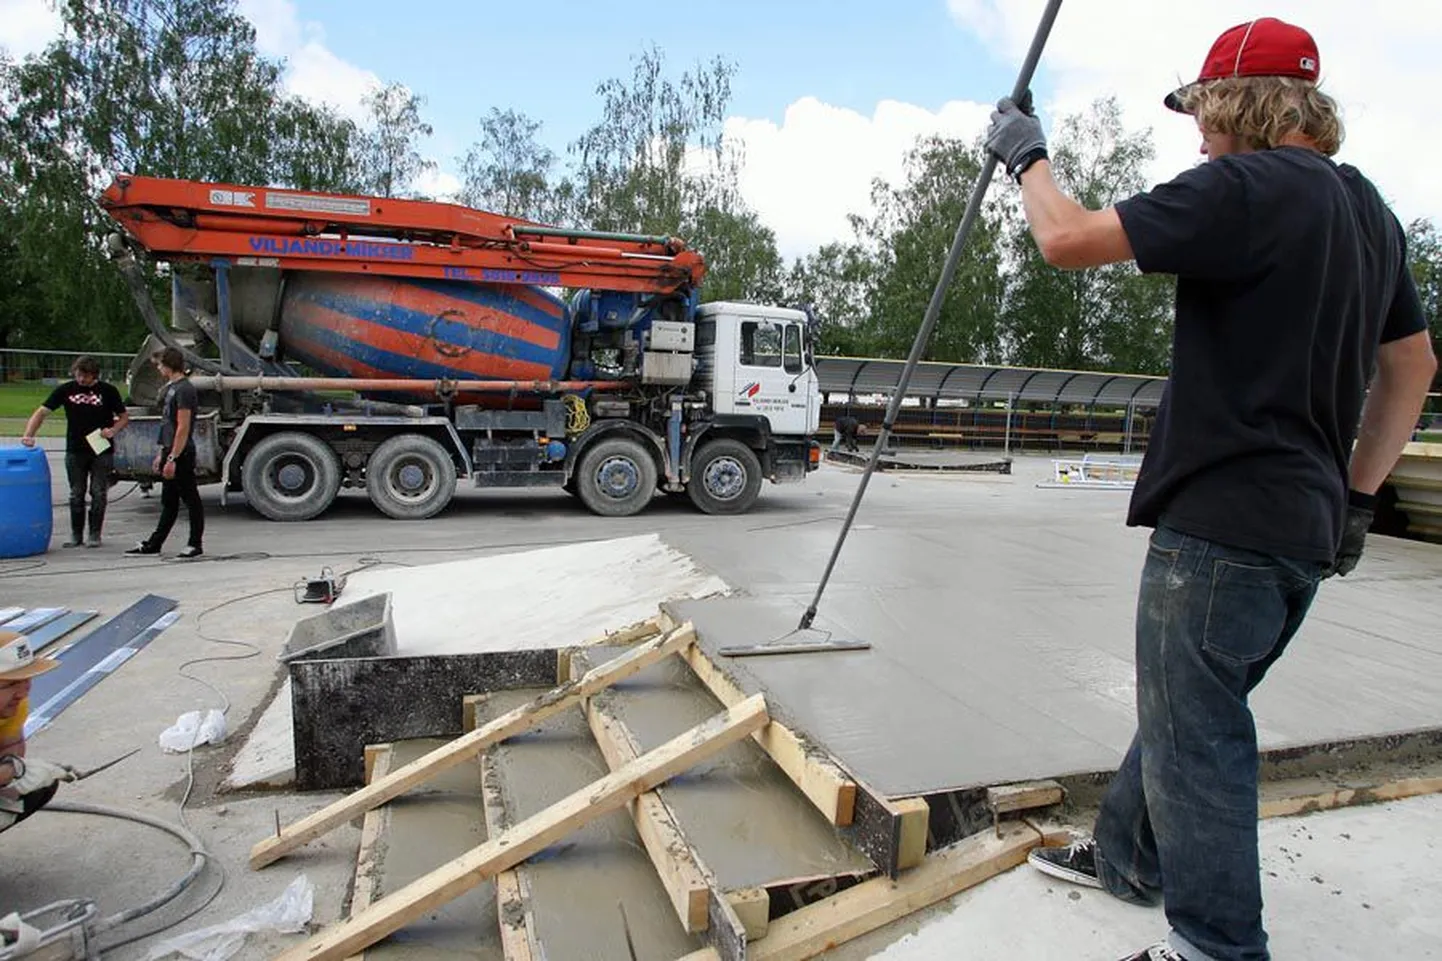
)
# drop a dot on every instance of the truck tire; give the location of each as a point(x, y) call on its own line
point(725, 477)
point(616, 477)
point(410, 477)
point(290, 476)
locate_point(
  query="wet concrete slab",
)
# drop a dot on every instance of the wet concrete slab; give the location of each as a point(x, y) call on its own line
point(1002, 627)
point(425, 829)
point(748, 822)
point(579, 885)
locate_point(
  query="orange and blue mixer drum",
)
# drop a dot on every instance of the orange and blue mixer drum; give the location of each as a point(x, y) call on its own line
point(346, 325)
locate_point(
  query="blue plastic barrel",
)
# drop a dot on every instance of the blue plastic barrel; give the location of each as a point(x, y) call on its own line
point(26, 519)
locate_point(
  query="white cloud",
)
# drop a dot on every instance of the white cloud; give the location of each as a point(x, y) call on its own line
point(438, 184)
point(1379, 65)
point(313, 71)
point(805, 175)
point(26, 26)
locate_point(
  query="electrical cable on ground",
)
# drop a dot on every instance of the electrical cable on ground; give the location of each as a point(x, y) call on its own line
point(184, 832)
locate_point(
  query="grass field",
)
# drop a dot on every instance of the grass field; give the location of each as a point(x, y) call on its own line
point(17, 401)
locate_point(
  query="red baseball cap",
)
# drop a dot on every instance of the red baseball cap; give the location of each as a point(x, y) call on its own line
point(1266, 47)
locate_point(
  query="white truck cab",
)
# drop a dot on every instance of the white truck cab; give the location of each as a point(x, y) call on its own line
point(758, 360)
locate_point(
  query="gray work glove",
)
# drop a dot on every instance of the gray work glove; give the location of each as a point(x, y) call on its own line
point(40, 773)
point(1015, 136)
point(1354, 534)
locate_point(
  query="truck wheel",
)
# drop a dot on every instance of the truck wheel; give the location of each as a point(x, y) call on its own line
point(725, 477)
point(616, 477)
point(290, 476)
point(410, 477)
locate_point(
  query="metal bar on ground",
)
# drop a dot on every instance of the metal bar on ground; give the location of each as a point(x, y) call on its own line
point(37, 617)
point(87, 662)
point(43, 637)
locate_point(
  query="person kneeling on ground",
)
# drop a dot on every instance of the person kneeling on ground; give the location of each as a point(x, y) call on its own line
point(176, 459)
point(1293, 297)
point(26, 784)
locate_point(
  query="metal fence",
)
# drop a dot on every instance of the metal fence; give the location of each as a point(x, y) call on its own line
point(54, 365)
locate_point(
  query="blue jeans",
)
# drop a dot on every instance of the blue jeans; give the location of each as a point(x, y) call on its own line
point(1179, 821)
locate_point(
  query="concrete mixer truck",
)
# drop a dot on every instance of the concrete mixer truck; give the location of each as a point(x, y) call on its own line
point(394, 346)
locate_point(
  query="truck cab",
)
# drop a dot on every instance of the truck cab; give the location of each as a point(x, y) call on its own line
point(756, 361)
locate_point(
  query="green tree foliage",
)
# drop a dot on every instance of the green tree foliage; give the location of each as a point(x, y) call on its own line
point(1424, 252)
point(390, 157)
point(658, 162)
point(508, 172)
point(910, 237)
point(170, 88)
point(835, 283)
point(1110, 318)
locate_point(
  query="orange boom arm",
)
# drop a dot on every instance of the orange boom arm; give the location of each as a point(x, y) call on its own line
point(308, 230)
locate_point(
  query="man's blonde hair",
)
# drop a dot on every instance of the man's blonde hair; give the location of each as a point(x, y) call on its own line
point(1263, 111)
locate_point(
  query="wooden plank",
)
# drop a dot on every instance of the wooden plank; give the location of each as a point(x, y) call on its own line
point(753, 910)
point(819, 927)
point(819, 778)
point(373, 826)
point(624, 637)
point(1349, 797)
point(513, 893)
point(1005, 798)
point(640, 631)
point(915, 822)
point(676, 862)
point(470, 710)
point(468, 746)
point(534, 834)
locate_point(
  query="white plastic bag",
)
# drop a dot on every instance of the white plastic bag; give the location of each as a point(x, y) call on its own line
point(192, 730)
point(287, 914)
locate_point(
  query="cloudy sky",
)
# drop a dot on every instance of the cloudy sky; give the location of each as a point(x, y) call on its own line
point(830, 93)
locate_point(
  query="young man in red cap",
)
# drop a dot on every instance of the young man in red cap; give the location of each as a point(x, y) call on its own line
point(1293, 297)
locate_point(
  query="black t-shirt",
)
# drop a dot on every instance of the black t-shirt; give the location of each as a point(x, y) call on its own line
point(86, 409)
point(180, 395)
point(1290, 271)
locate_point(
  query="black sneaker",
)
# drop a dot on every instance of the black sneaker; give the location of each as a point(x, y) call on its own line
point(1077, 862)
point(1161, 951)
point(143, 548)
point(75, 541)
point(93, 541)
point(189, 552)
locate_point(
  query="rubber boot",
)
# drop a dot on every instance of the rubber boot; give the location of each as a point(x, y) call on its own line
point(77, 527)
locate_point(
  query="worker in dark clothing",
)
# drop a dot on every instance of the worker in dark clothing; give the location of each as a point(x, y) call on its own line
point(1293, 299)
point(176, 459)
point(845, 430)
point(94, 413)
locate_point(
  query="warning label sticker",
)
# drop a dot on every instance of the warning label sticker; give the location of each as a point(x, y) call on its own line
point(309, 203)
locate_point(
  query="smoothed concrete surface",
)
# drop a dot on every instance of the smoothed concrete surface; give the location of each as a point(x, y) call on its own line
point(1337, 886)
point(533, 599)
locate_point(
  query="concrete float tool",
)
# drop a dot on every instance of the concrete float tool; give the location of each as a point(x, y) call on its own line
point(805, 639)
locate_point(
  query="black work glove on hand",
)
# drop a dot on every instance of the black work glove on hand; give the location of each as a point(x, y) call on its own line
point(1015, 136)
point(1361, 508)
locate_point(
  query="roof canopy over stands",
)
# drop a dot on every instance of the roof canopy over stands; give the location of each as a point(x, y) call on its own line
point(976, 382)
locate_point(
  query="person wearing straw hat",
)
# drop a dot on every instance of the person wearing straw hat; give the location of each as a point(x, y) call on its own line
point(26, 784)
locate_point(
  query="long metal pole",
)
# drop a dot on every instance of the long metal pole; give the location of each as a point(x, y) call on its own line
point(933, 309)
